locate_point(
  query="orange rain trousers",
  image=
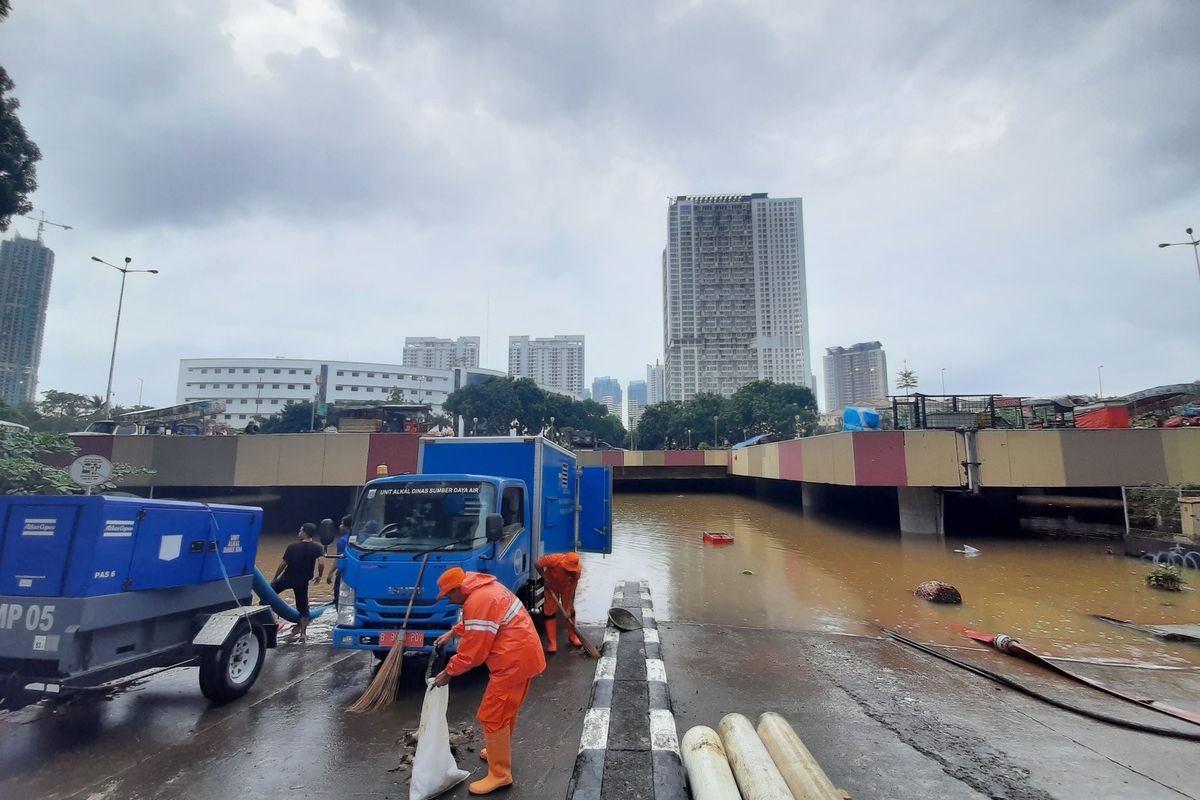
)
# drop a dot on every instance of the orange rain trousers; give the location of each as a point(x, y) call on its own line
point(500, 705)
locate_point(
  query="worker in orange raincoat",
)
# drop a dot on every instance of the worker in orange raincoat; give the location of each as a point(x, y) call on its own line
point(496, 630)
point(561, 572)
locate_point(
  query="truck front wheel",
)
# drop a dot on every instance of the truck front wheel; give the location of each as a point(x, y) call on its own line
point(227, 672)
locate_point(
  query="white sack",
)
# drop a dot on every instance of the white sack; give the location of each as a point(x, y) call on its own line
point(434, 769)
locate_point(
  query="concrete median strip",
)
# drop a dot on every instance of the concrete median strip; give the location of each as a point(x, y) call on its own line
point(629, 746)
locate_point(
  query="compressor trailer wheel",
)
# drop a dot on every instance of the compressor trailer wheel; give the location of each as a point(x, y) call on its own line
point(227, 672)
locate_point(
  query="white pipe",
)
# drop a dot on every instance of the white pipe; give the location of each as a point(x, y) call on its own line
point(757, 776)
point(708, 771)
point(799, 769)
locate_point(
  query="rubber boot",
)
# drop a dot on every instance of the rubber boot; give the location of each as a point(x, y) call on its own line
point(512, 731)
point(552, 634)
point(571, 633)
point(499, 746)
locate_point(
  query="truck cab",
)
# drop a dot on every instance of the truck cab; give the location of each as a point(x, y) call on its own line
point(487, 504)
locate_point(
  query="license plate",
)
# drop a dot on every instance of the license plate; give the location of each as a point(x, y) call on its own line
point(411, 638)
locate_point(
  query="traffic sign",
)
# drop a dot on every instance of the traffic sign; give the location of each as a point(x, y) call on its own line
point(89, 471)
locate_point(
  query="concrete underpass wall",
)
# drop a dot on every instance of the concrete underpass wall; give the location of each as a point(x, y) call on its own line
point(294, 459)
point(1054, 459)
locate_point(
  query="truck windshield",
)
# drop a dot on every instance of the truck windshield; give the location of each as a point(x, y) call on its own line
point(424, 514)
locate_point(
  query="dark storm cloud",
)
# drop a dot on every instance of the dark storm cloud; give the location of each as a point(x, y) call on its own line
point(983, 182)
point(164, 128)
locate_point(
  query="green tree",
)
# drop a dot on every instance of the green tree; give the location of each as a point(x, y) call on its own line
point(491, 406)
point(782, 409)
point(292, 418)
point(23, 471)
point(18, 154)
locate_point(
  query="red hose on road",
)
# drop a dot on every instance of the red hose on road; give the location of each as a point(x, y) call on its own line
point(1025, 690)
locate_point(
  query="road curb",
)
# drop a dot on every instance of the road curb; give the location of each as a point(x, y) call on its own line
point(629, 746)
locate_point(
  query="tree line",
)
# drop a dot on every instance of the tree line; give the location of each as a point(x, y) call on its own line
point(711, 421)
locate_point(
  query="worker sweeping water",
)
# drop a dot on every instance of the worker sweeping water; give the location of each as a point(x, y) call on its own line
point(561, 572)
point(496, 630)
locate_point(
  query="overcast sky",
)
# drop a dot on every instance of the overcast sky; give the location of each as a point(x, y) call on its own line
point(984, 183)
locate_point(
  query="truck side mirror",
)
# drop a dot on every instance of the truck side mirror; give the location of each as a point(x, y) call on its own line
point(494, 527)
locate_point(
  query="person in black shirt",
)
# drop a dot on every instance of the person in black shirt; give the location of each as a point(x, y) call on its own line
point(296, 570)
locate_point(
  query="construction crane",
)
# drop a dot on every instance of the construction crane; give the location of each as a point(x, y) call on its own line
point(43, 222)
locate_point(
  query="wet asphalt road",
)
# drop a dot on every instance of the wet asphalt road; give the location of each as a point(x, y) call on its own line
point(886, 721)
point(290, 737)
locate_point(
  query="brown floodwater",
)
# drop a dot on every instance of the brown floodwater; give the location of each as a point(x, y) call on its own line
point(811, 573)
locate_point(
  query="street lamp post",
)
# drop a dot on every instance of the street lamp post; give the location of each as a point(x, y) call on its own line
point(1100, 380)
point(1195, 245)
point(943, 381)
point(715, 418)
point(112, 362)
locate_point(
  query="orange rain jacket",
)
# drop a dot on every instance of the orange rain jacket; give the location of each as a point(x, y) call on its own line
point(560, 576)
point(496, 630)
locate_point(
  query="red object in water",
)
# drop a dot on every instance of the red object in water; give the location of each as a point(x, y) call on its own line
point(718, 537)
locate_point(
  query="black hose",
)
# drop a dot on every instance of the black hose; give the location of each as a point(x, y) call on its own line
point(1010, 683)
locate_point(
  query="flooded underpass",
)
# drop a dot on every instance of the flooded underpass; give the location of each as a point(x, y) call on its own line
point(815, 573)
point(786, 618)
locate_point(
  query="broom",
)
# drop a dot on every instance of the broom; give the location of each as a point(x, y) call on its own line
point(381, 692)
point(587, 645)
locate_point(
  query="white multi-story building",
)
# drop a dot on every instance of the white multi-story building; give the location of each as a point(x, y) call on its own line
point(656, 383)
point(854, 375)
point(260, 387)
point(555, 363)
point(735, 302)
point(433, 353)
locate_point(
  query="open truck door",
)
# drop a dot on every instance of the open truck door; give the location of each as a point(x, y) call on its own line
point(593, 533)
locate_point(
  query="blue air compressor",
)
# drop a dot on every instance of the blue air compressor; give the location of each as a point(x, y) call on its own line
point(94, 589)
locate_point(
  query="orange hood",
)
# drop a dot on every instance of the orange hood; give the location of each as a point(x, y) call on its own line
point(476, 580)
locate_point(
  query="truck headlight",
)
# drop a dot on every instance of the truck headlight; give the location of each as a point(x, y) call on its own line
point(345, 606)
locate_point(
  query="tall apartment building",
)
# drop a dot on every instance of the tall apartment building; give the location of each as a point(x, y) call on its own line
point(26, 267)
point(554, 363)
point(636, 403)
point(854, 375)
point(607, 392)
point(656, 383)
point(735, 303)
point(433, 353)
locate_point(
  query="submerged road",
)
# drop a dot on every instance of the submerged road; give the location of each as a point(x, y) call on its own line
point(796, 635)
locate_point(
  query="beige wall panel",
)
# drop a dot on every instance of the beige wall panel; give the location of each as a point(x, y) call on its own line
point(136, 451)
point(258, 460)
point(301, 459)
point(1036, 458)
point(770, 464)
point(654, 458)
point(1181, 451)
point(589, 458)
point(930, 458)
point(829, 459)
point(345, 461)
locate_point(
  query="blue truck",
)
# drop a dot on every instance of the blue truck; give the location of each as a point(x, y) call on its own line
point(96, 589)
point(485, 504)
